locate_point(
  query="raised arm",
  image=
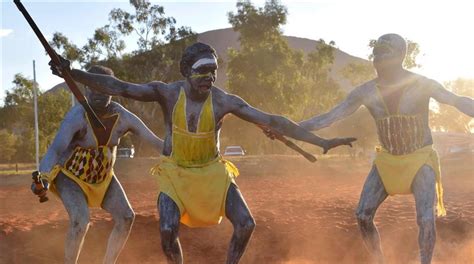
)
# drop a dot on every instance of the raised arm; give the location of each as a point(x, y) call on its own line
point(352, 102)
point(69, 127)
point(281, 124)
point(442, 95)
point(111, 85)
point(138, 128)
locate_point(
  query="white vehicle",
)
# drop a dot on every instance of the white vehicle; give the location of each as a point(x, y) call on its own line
point(234, 151)
point(125, 153)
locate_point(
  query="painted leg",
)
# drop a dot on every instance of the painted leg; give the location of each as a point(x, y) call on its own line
point(423, 188)
point(239, 215)
point(76, 205)
point(373, 194)
point(116, 203)
point(169, 228)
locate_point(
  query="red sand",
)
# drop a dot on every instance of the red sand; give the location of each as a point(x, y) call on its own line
point(304, 214)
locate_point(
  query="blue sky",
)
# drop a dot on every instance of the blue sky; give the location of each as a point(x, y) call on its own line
point(442, 28)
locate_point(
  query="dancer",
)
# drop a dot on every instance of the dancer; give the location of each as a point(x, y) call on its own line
point(78, 167)
point(406, 163)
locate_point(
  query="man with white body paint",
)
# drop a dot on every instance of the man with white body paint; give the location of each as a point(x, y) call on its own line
point(398, 100)
point(197, 186)
point(79, 169)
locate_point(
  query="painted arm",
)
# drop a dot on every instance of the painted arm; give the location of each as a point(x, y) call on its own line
point(442, 95)
point(137, 127)
point(282, 125)
point(69, 126)
point(111, 85)
point(352, 102)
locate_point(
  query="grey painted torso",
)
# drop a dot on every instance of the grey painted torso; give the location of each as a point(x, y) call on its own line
point(84, 137)
point(413, 101)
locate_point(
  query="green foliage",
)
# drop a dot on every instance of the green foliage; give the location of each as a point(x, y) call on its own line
point(358, 73)
point(17, 118)
point(448, 118)
point(413, 50)
point(8, 142)
point(270, 75)
point(148, 24)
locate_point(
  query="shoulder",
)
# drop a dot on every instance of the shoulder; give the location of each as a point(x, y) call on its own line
point(76, 113)
point(75, 119)
point(426, 84)
point(220, 96)
point(363, 90)
point(124, 113)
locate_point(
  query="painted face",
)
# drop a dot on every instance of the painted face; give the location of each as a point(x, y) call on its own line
point(389, 50)
point(98, 100)
point(203, 74)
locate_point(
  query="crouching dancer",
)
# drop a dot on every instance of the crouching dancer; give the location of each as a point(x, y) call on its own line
point(79, 169)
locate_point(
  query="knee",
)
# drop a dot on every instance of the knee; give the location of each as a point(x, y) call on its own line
point(168, 232)
point(127, 219)
point(79, 224)
point(246, 227)
point(364, 218)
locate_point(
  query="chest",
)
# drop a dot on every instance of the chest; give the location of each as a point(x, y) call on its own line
point(410, 100)
point(88, 137)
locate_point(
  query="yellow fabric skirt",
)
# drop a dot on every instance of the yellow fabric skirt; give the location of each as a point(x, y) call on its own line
point(94, 193)
point(199, 192)
point(397, 172)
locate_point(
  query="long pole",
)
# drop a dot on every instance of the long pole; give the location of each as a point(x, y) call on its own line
point(66, 73)
point(35, 99)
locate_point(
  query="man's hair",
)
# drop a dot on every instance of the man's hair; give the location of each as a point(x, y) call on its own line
point(101, 70)
point(191, 54)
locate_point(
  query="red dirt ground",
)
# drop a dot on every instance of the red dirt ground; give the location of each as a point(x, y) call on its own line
point(304, 214)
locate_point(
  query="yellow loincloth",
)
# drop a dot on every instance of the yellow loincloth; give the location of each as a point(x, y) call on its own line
point(398, 171)
point(195, 176)
point(199, 192)
point(94, 192)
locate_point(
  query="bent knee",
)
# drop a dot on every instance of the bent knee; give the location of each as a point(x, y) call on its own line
point(168, 230)
point(363, 217)
point(247, 226)
point(129, 217)
point(79, 224)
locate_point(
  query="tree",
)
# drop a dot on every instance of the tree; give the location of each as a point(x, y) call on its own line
point(448, 118)
point(148, 24)
point(413, 50)
point(270, 75)
point(8, 142)
point(17, 118)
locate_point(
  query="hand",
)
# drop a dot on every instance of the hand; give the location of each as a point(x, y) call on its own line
point(39, 188)
point(269, 133)
point(335, 142)
point(59, 69)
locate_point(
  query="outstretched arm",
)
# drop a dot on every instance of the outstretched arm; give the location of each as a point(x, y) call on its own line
point(137, 127)
point(344, 109)
point(69, 126)
point(111, 85)
point(281, 124)
point(442, 95)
